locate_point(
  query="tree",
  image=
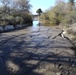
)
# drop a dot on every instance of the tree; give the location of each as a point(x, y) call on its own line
point(23, 5)
point(71, 2)
point(59, 1)
point(5, 5)
point(39, 11)
point(15, 11)
point(71, 5)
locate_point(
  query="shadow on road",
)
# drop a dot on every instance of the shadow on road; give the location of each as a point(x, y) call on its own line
point(21, 57)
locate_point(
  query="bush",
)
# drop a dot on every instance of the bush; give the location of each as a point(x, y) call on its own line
point(15, 12)
point(60, 14)
point(3, 23)
point(26, 18)
point(11, 20)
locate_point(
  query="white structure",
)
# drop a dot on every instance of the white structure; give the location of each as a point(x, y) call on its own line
point(1, 28)
point(9, 27)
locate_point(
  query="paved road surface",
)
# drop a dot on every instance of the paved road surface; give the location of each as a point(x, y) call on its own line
point(36, 51)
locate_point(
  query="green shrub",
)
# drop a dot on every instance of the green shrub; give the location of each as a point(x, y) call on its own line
point(11, 20)
point(3, 23)
point(67, 20)
point(17, 19)
point(26, 18)
point(59, 14)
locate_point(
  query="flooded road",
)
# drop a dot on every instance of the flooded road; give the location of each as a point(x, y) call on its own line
point(35, 23)
point(36, 50)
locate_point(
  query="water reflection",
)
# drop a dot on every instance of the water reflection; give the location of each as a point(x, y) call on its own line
point(35, 24)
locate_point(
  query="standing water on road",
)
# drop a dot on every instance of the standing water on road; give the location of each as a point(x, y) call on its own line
point(37, 49)
point(35, 23)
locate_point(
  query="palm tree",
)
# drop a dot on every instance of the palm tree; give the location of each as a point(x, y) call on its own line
point(39, 11)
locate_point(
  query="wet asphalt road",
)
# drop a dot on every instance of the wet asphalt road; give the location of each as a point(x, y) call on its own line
point(38, 50)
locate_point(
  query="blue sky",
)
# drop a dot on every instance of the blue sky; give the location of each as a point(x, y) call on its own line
point(43, 4)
